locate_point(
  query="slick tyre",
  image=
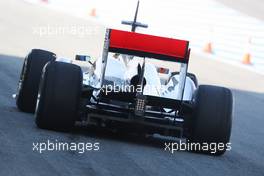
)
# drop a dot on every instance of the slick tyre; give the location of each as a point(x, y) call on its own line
point(59, 96)
point(30, 78)
point(212, 120)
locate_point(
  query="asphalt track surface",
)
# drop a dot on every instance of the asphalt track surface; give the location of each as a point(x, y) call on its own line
point(118, 155)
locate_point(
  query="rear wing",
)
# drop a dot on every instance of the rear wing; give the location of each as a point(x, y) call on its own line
point(150, 46)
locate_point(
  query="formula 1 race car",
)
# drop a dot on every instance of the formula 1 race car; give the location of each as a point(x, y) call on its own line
point(126, 92)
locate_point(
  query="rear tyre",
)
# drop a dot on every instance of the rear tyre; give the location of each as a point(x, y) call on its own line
point(212, 120)
point(30, 77)
point(59, 96)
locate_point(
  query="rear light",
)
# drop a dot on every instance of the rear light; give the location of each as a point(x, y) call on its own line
point(140, 105)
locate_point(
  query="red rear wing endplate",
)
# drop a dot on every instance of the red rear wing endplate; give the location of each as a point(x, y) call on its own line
point(144, 45)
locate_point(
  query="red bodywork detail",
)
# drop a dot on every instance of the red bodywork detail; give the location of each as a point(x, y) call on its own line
point(163, 70)
point(153, 45)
